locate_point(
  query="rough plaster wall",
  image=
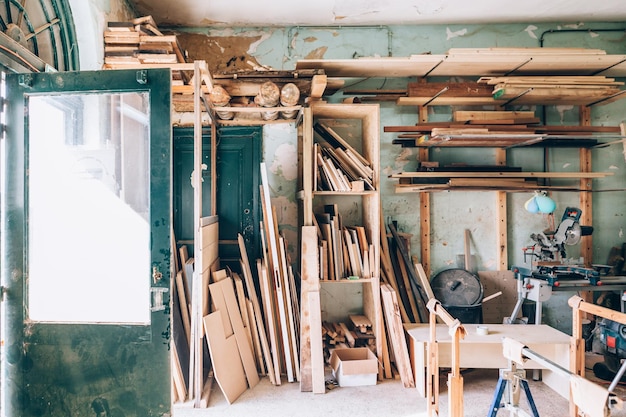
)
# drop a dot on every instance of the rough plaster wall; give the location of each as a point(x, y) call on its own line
point(90, 19)
point(280, 48)
point(280, 153)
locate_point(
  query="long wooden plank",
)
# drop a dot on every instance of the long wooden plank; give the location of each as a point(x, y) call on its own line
point(442, 174)
point(310, 276)
point(317, 349)
point(256, 340)
point(252, 295)
point(396, 334)
point(241, 301)
point(414, 280)
point(290, 312)
point(275, 269)
point(270, 317)
point(184, 306)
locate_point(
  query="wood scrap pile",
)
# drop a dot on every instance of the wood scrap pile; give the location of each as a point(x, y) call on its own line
point(139, 42)
point(357, 332)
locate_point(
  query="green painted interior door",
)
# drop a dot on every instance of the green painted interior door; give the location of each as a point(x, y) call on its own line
point(86, 236)
point(238, 179)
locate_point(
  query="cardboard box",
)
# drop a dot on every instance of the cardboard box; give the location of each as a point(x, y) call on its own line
point(354, 367)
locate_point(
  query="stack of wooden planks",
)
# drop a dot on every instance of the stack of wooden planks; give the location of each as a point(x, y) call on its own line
point(243, 87)
point(338, 166)
point(503, 129)
point(278, 291)
point(139, 42)
point(344, 251)
point(397, 271)
point(582, 90)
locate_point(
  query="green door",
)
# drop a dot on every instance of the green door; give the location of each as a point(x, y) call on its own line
point(238, 179)
point(86, 244)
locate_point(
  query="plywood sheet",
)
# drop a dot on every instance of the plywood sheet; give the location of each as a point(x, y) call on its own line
point(243, 343)
point(413, 66)
point(502, 306)
point(460, 62)
point(227, 366)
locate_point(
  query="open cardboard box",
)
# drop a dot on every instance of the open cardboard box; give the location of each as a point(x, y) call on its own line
point(354, 367)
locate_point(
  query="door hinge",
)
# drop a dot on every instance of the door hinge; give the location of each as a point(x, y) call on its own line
point(156, 298)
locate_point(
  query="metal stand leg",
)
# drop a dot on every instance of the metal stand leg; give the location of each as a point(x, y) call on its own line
point(515, 379)
point(497, 398)
point(529, 398)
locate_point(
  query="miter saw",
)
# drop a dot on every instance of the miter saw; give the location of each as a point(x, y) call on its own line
point(549, 249)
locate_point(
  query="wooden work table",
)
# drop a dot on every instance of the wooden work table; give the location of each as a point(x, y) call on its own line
point(485, 351)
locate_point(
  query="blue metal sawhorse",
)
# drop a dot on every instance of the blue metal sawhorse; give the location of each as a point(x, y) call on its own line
point(515, 378)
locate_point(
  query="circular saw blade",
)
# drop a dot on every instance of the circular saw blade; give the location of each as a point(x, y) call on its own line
point(573, 234)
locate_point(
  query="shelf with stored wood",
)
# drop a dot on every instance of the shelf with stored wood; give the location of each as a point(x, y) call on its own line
point(494, 129)
point(500, 131)
point(340, 198)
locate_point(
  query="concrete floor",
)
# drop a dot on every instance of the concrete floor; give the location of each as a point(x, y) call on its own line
point(387, 398)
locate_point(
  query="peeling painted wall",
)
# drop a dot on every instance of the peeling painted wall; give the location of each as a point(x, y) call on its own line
point(452, 212)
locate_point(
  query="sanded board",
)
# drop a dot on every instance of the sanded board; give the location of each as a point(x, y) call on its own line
point(227, 366)
point(243, 343)
point(219, 304)
point(310, 283)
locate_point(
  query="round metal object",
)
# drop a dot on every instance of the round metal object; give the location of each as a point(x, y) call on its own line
point(457, 287)
point(573, 235)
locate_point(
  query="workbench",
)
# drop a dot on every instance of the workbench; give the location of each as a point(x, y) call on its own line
point(485, 351)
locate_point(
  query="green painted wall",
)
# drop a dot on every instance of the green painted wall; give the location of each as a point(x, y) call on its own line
point(452, 212)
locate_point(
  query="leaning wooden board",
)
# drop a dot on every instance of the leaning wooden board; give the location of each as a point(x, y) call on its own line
point(227, 365)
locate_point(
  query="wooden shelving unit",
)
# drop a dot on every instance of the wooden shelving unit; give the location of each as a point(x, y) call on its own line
point(502, 136)
point(363, 123)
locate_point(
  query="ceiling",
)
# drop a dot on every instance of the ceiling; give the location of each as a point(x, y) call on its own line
point(203, 13)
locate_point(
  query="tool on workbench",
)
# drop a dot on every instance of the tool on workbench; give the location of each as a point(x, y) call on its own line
point(549, 264)
point(548, 256)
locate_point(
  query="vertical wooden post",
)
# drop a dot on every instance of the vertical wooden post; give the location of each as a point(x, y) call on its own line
point(432, 368)
point(424, 200)
point(424, 221)
point(196, 374)
point(501, 219)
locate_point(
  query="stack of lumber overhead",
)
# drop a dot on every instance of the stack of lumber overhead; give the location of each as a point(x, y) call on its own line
point(244, 86)
point(498, 129)
point(516, 90)
point(578, 90)
point(478, 62)
point(139, 42)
